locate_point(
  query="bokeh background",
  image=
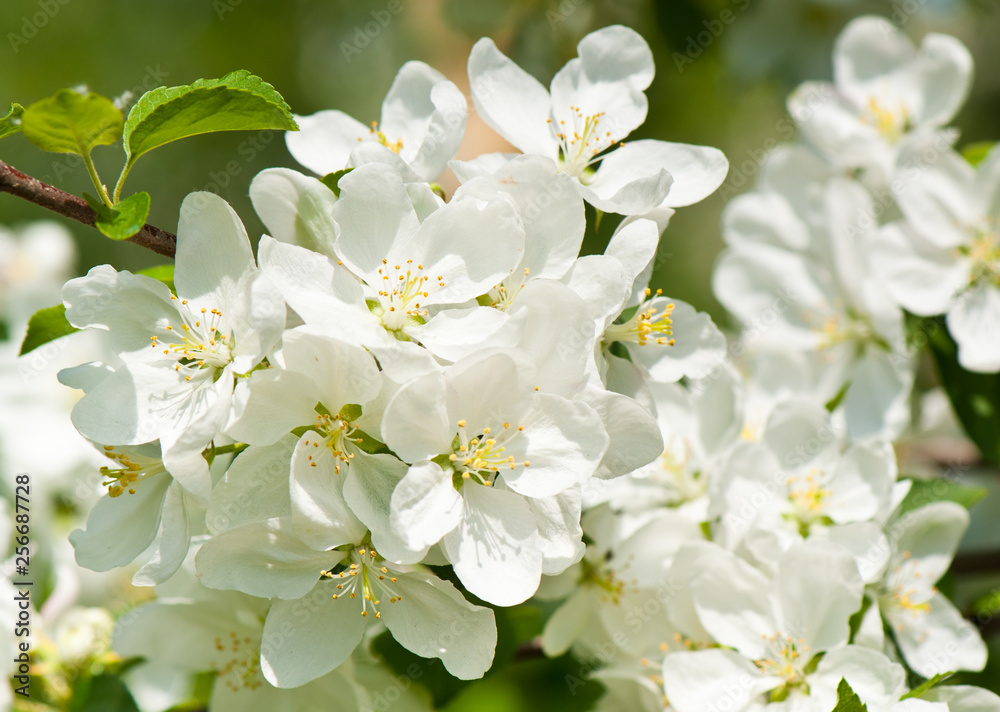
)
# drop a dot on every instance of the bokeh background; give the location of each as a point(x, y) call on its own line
point(724, 68)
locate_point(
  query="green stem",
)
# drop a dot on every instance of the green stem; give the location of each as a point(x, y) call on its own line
point(236, 448)
point(121, 181)
point(102, 192)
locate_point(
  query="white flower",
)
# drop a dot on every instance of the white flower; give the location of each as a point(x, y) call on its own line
point(812, 278)
point(668, 338)
point(401, 256)
point(181, 353)
point(330, 389)
point(327, 597)
point(550, 210)
point(483, 442)
point(777, 628)
point(798, 482)
point(421, 127)
point(884, 90)
point(619, 573)
point(206, 631)
point(945, 257)
point(596, 101)
point(931, 633)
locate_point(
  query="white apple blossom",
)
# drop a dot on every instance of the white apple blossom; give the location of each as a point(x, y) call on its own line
point(482, 443)
point(181, 352)
point(596, 100)
point(945, 257)
point(419, 131)
point(930, 632)
point(884, 90)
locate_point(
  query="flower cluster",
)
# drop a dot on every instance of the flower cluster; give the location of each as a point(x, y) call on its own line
point(404, 399)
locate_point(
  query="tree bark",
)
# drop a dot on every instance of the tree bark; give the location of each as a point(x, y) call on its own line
point(35, 191)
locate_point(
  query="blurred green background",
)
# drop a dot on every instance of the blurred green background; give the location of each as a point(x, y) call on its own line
point(724, 68)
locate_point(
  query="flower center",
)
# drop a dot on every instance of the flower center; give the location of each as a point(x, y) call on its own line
point(134, 469)
point(242, 670)
point(841, 324)
point(891, 124)
point(394, 146)
point(604, 579)
point(909, 589)
point(582, 142)
point(399, 293)
point(984, 252)
point(651, 323)
point(334, 433)
point(808, 497)
point(200, 341)
point(365, 574)
point(502, 295)
point(685, 483)
point(783, 657)
point(481, 458)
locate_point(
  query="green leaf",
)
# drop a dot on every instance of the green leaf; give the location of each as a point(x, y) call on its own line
point(838, 398)
point(69, 122)
point(104, 693)
point(847, 700)
point(332, 180)
point(164, 273)
point(924, 492)
point(44, 326)
point(351, 411)
point(974, 153)
point(11, 123)
point(926, 685)
point(239, 101)
point(974, 396)
point(123, 220)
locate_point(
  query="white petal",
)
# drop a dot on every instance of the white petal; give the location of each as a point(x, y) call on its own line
point(874, 678)
point(567, 623)
point(120, 528)
point(374, 213)
point(732, 601)
point(95, 301)
point(434, 620)
point(974, 321)
point(564, 440)
point(964, 698)
point(427, 113)
point(416, 425)
point(634, 439)
point(325, 140)
point(320, 516)
point(278, 400)
point(510, 100)
point(425, 505)
point(254, 488)
point(263, 559)
point(713, 680)
point(368, 489)
point(495, 551)
point(558, 520)
point(920, 276)
point(937, 641)
point(818, 589)
point(342, 372)
point(213, 258)
point(309, 637)
point(175, 538)
point(295, 208)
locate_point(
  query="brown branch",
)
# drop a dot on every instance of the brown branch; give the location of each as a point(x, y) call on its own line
point(59, 201)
